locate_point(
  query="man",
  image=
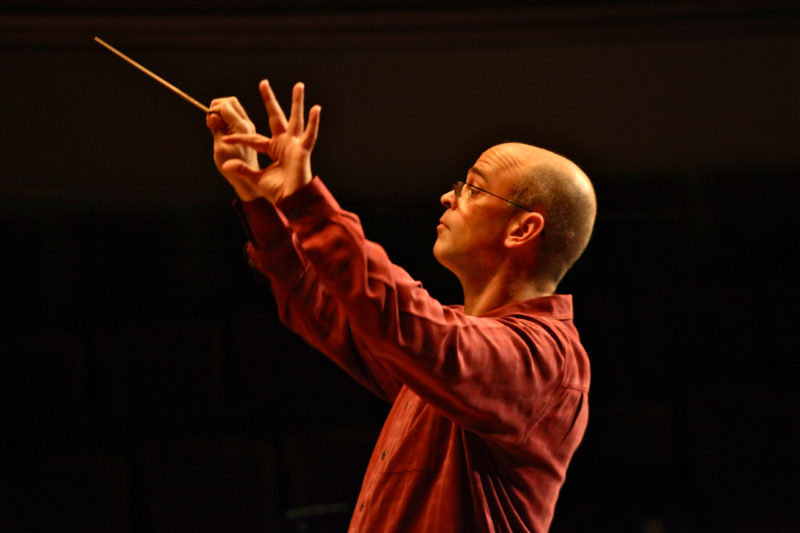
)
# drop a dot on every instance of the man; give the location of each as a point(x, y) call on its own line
point(489, 398)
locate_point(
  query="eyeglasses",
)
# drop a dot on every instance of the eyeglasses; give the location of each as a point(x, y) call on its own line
point(459, 186)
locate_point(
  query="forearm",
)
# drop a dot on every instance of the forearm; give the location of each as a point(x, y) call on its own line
point(304, 304)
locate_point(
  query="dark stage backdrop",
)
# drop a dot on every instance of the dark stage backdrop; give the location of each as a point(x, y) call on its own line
point(146, 383)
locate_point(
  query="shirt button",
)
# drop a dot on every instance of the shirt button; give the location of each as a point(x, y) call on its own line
point(361, 507)
point(383, 455)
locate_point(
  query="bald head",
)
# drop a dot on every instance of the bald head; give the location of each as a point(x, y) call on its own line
point(554, 186)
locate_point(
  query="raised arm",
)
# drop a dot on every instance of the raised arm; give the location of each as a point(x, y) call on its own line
point(304, 304)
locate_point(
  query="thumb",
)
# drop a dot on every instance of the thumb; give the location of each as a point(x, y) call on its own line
point(241, 170)
point(216, 124)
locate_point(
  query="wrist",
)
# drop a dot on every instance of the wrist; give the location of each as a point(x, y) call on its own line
point(291, 187)
point(245, 193)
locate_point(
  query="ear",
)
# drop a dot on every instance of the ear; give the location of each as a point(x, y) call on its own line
point(524, 230)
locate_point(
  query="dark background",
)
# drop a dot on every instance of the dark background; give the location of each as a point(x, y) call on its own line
point(146, 383)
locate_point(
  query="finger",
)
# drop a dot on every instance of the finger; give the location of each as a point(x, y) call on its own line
point(312, 130)
point(255, 141)
point(242, 170)
point(233, 102)
point(296, 117)
point(237, 106)
point(232, 114)
point(215, 123)
point(277, 120)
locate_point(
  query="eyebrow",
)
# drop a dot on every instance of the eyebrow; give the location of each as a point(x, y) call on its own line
point(479, 172)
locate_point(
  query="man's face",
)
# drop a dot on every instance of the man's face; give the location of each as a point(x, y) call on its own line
point(472, 230)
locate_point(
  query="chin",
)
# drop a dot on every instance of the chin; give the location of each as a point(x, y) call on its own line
point(436, 250)
point(440, 254)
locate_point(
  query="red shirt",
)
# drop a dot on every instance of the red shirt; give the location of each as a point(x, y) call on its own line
point(487, 410)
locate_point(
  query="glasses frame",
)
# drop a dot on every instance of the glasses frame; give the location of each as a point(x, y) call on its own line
point(459, 186)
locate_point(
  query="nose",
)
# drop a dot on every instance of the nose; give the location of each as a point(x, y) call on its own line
point(448, 199)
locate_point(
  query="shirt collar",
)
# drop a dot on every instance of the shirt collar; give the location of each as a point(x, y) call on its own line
point(558, 306)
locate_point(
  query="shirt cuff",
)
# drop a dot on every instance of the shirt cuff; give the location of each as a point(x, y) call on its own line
point(309, 203)
point(261, 222)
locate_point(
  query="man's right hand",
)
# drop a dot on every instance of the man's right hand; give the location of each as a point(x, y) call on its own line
point(227, 116)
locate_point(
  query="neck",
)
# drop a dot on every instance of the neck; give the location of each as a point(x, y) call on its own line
point(503, 287)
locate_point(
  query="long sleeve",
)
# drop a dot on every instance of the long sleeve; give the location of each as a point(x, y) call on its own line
point(493, 374)
point(304, 304)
